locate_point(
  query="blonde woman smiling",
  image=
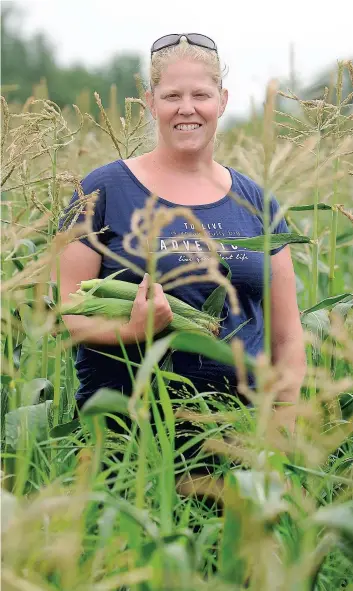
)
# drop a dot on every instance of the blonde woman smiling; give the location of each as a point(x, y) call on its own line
point(186, 99)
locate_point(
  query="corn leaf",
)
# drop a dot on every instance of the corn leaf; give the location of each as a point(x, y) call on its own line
point(338, 518)
point(322, 206)
point(318, 323)
point(28, 423)
point(253, 501)
point(344, 306)
point(345, 238)
point(257, 242)
point(233, 564)
point(229, 336)
point(65, 429)
point(106, 400)
point(215, 301)
point(207, 346)
point(30, 249)
point(36, 389)
point(139, 516)
point(327, 303)
point(189, 342)
point(346, 404)
point(171, 562)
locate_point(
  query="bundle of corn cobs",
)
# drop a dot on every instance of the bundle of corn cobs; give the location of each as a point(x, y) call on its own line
point(114, 299)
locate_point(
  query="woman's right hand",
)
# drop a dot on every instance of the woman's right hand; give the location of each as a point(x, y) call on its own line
point(162, 313)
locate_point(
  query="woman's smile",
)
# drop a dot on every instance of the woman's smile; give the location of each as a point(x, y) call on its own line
point(187, 127)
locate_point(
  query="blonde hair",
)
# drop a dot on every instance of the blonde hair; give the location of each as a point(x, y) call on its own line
point(161, 59)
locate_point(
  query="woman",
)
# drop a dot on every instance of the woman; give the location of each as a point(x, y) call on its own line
point(186, 99)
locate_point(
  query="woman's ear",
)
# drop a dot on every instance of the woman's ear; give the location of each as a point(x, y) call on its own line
point(150, 103)
point(223, 102)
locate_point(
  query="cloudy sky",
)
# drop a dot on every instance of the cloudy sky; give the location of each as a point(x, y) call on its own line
point(253, 37)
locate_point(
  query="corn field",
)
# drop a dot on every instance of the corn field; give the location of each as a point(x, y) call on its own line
point(86, 510)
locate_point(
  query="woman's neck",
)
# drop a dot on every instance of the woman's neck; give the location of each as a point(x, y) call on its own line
point(170, 160)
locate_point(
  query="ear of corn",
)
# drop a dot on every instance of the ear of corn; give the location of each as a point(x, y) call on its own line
point(127, 291)
point(120, 308)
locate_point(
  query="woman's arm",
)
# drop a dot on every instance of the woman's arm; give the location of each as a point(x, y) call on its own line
point(79, 263)
point(288, 350)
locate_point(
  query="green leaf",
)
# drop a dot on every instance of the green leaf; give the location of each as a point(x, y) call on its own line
point(108, 278)
point(206, 345)
point(29, 248)
point(106, 400)
point(26, 316)
point(172, 567)
point(344, 306)
point(152, 358)
point(329, 303)
point(106, 525)
point(148, 549)
point(175, 377)
point(166, 367)
point(346, 403)
point(316, 322)
point(17, 355)
point(5, 380)
point(28, 244)
point(234, 567)
point(229, 336)
point(257, 242)
point(17, 351)
point(345, 238)
point(188, 342)
point(321, 206)
point(28, 422)
point(265, 490)
point(215, 301)
point(65, 429)
point(140, 517)
point(36, 390)
point(338, 518)
point(253, 500)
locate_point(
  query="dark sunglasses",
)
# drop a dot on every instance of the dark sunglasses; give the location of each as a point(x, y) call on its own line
point(174, 39)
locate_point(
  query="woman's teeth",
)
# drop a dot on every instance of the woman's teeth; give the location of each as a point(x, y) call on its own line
point(187, 127)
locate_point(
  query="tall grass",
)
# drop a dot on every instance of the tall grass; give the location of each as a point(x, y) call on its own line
point(85, 508)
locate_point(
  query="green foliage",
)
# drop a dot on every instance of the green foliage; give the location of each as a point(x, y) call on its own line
point(27, 62)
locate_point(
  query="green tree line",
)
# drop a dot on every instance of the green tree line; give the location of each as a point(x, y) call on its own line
point(28, 62)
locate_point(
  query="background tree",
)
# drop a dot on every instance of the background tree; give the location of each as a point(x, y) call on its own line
point(27, 61)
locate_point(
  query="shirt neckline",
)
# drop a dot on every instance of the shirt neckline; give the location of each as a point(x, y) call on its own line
point(217, 203)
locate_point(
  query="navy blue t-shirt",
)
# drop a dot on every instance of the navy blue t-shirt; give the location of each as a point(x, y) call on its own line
point(120, 194)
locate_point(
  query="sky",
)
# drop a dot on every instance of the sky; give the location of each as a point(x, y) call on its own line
point(253, 37)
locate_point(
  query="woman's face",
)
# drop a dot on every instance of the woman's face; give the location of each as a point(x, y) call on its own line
point(186, 105)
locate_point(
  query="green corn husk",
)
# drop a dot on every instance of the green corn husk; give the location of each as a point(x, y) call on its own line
point(125, 290)
point(119, 308)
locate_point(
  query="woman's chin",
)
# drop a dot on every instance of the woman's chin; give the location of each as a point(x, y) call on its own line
point(188, 147)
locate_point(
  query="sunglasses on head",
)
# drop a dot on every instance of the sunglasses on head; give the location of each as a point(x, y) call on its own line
point(174, 39)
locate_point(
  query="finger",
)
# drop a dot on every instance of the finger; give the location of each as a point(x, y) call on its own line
point(158, 290)
point(142, 288)
point(159, 295)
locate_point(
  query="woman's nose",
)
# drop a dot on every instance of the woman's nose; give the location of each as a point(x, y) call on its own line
point(186, 107)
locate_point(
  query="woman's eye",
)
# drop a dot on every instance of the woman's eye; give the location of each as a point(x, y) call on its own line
point(172, 96)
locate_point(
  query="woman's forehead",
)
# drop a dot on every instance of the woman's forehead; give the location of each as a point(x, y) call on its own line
point(186, 71)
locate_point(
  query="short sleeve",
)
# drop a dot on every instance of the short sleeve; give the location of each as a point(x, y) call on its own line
point(281, 227)
point(75, 211)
